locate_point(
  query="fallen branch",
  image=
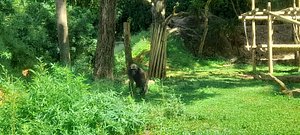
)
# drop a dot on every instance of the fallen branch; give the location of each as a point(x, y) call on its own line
point(284, 89)
point(292, 78)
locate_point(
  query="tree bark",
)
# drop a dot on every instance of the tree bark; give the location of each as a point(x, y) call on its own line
point(104, 55)
point(62, 30)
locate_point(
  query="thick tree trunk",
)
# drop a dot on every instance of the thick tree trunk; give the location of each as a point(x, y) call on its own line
point(104, 56)
point(62, 29)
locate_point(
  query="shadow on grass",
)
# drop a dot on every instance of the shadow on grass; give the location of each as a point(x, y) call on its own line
point(191, 89)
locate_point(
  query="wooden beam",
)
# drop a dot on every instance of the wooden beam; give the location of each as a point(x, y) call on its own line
point(270, 39)
point(291, 46)
point(265, 17)
point(283, 18)
point(253, 40)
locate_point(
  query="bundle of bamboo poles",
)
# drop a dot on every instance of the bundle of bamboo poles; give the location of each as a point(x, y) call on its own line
point(157, 65)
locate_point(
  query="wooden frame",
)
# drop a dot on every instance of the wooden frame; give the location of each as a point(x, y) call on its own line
point(289, 15)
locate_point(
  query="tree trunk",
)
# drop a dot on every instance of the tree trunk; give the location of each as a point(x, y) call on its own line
point(206, 10)
point(104, 56)
point(157, 64)
point(62, 30)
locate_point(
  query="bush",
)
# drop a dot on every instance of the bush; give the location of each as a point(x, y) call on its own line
point(55, 101)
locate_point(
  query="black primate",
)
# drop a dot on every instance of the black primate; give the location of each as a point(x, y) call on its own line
point(138, 75)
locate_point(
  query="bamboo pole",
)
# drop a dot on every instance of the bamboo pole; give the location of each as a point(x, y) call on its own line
point(282, 46)
point(296, 37)
point(253, 46)
point(283, 18)
point(154, 52)
point(265, 17)
point(151, 49)
point(154, 48)
point(297, 55)
point(157, 61)
point(160, 54)
point(164, 58)
point(270, 39)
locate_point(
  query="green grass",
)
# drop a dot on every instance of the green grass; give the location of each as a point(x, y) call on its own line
point(218, 97)
point(199, 96)
point(219, 101)
point(224, 104)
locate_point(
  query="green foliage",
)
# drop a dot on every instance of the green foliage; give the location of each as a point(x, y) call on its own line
point(178, 56)
point(276, 4)
point(30, 32)
point(6, 7)
point(173, 107)
point(140, 44)
point(226, 9)
point(138, 12)
point(83, 32)
point(25, 37)
point(56, 101)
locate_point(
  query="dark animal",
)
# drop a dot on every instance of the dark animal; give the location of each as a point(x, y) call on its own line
point(138, 75)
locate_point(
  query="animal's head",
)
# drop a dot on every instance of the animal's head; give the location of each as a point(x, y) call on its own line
point(134, 69)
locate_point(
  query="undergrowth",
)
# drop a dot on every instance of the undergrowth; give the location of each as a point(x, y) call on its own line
point(55, 101)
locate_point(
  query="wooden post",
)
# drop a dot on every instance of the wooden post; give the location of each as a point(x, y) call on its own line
point(270, 39)
point(127, 47)
point(253, 46)
point(297, 55)
point(296, 36)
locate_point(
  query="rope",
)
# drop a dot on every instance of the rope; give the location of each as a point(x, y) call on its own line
point(296, 30)
point(246, 35)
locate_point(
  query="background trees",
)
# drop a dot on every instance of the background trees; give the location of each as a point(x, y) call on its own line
point(28, 27)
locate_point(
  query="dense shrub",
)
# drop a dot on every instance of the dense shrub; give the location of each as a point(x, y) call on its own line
point(26, 34)
point(55, 101)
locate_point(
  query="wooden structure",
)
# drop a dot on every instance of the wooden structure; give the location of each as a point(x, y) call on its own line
point(290, 15)
point(127, 46)
point(158, 50)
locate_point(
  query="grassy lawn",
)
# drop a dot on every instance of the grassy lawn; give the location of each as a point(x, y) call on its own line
point(217, 97)
point(219, 101)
